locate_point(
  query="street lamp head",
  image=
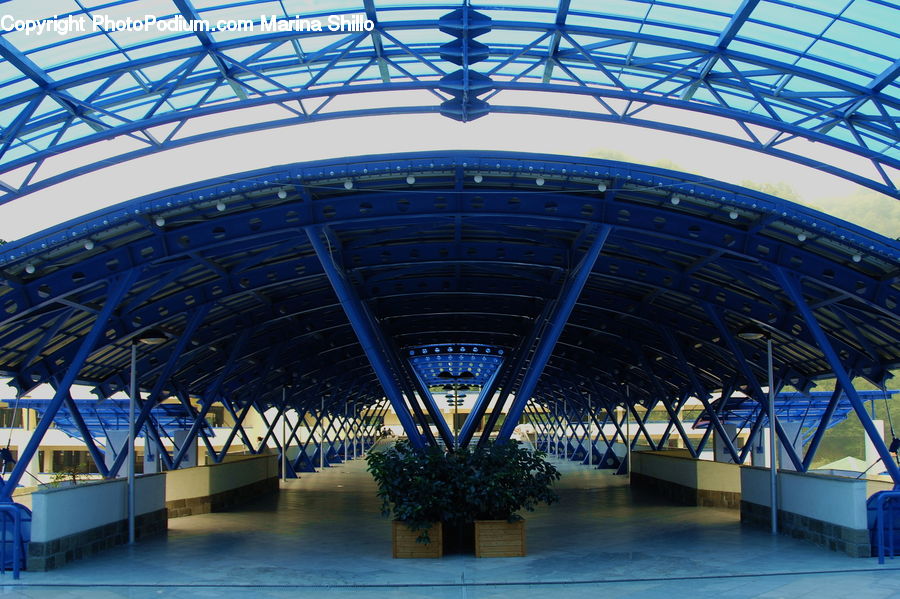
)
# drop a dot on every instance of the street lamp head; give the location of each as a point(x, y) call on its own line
point(150, 337)
point(466, 375)
point(751, 332)
point(446, 375)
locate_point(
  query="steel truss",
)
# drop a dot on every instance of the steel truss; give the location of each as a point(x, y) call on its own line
point(610, 286)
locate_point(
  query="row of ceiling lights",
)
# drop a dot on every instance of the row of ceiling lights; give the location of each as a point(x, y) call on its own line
point(282, 194)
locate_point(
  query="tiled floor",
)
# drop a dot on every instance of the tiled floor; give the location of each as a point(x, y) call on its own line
point(323, 536)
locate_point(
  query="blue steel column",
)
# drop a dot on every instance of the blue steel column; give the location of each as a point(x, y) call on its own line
point(432, 407)
point(776, 428)
point(96, 455)
point(699, 392)
point(551, 335)
point(791, 285)
point(823, 426)
point(211, 392)
point(478, 409)
point(355, 311)
point(511, 372)
point(115, 296)
point(196, 318)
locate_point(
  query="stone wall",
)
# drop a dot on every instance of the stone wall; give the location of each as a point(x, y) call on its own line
point(677, 477)
point(829, 511)
point(685, 495)
point(70, 522)
point(220, 487)
point(854, 542)
point(222, 501)
point(48, 555)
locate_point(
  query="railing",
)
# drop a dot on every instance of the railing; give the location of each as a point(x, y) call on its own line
point(885, 531)
point(15, 532)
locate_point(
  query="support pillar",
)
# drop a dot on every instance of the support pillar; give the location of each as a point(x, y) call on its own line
point(793, 433)
point(361, 322)
point(181, 437)
point(571, 290)
point(720, 450)
point(115, 442)
point(872, 453)
point(759, 456)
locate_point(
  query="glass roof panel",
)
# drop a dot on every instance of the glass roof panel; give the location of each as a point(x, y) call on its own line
point(624, 8)
point(683, 33)
point(603, 22)
point(876, 14)
point(880, 41)
point(658, 49)
point(523, 16)
point(775, 36)
point(862, 61)
point(688, 17)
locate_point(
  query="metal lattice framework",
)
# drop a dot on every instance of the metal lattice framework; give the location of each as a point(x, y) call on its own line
point(787, 78)
point(304, 287)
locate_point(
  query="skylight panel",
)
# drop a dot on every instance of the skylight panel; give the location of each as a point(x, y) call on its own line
point(874, 41)
point(855, 59)
point(25, 85)
point(837, 72)
point(43, 9)
point(523, 16)
point(82, 50)
point(872, 13)
point(250, 12)
point(317, 7)
point(683, 35)
point(755, 49)
point(172, 45)
point(791, 16)
point(775, 36)
point(695, 19)
point(621, 8)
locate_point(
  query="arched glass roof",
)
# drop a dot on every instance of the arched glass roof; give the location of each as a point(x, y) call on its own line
point(814, 82)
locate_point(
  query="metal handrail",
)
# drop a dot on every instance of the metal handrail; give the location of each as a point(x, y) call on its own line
point(14, 511)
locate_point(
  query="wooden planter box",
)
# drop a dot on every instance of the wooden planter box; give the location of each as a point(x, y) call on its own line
point(406, 546)
point(499, 538)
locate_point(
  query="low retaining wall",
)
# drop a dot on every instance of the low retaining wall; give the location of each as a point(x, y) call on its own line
point(77, 521)
point(829, 511)
point(220, 487)
point(683, 479)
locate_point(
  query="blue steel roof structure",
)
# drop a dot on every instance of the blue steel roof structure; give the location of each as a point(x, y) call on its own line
point(112, 414)
point(809, 81)
point(429, 361)
point(301, 285)
point(806, 408)
point(458, 246)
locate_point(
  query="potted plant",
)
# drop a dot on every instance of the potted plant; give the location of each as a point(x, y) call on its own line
point(427, 489)
point(504, 479)
point(415, 486)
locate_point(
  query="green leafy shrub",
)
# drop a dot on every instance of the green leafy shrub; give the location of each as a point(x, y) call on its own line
point(422, 486)
point(505, 478)
point(415, 485)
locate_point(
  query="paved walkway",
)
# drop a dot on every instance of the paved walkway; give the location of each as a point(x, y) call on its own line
point(323, 536)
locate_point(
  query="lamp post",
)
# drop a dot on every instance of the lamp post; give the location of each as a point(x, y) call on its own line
point(148, 337)
point(627, 432)
point(283, 433)
point(456, 387)
point(753, 332)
